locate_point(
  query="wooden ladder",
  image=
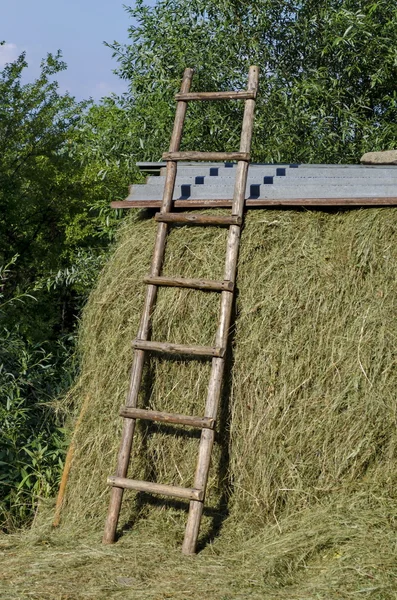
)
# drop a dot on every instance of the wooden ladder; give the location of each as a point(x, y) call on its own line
point(217, 353)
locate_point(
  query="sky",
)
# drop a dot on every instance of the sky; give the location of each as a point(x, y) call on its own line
point(78, 28)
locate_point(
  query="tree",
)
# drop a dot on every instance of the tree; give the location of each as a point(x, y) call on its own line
point(54, 232)
point(327, 74)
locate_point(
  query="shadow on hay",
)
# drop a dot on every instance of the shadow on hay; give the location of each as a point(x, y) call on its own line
point(220, 512)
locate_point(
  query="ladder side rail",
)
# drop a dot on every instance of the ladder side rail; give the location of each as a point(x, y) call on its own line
point(245, 145)
point(116, 494)
point(218, 364)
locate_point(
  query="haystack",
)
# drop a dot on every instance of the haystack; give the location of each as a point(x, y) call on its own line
point(301, 500)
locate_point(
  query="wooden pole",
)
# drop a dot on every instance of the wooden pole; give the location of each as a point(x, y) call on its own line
point(116, 495)
point(68, 465)
point(218, 364)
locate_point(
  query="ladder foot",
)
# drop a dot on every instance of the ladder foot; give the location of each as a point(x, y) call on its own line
point(109, 535)
point(192, 528)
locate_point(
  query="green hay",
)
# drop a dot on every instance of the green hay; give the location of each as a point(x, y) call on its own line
point(301, 500)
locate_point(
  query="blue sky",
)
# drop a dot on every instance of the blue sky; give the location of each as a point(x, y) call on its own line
point(78, 28)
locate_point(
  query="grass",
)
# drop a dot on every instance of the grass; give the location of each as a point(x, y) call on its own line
point(301, 501)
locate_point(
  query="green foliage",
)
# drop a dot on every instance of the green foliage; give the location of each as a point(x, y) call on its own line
point(54, 231)
point(54, 188)
point(31, 447)
point(105, 147)
point(327, 74)
point(36, 123)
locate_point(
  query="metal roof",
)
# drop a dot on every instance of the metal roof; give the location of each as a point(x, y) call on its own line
point(269, 184)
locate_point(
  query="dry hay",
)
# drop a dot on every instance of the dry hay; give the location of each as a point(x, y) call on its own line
point(301, 500)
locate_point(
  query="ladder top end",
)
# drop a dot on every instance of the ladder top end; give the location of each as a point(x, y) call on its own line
point(253, 77)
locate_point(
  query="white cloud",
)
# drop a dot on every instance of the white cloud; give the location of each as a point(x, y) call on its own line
point(8, 53)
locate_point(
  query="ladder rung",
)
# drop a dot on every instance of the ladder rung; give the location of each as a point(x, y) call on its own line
point(179, 348)
point(156, 488)
point(243, 95)
point(207, 156)
point(163, 417)
point(195, 284)
point(193, 219)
